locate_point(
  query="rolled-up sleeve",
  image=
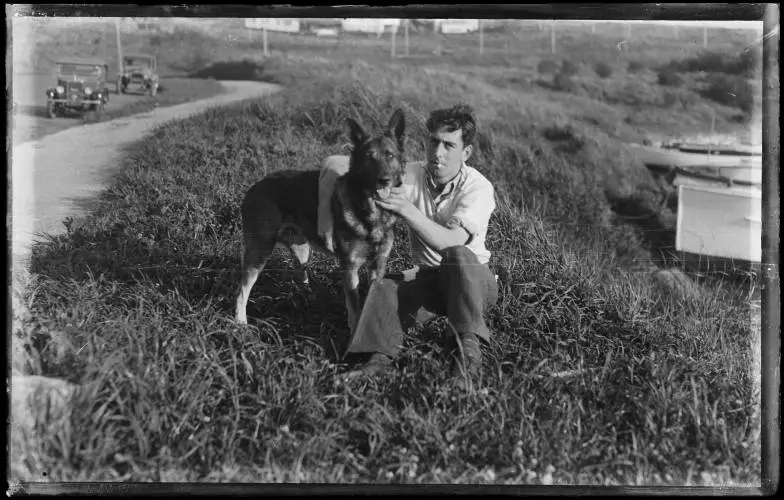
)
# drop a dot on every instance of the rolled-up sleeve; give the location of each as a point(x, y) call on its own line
point(472, 210)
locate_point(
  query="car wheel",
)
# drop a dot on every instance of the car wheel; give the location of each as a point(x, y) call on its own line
point(50, 110)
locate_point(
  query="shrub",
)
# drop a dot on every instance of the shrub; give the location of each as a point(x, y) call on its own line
point(732, 91)
point(712, 62)
point(604, 70)
point(635, 66)
point(564, 83)
point(670, 78)
point(546, 66)
point(568, 68)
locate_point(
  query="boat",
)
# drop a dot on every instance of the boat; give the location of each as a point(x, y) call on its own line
point(694, 157)
point(716, 149)
point(719, 222)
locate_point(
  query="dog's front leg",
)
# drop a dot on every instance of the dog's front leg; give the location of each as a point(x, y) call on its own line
point(379, 266)
point(351, 291)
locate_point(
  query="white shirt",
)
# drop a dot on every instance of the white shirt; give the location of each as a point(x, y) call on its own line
point(468, 200)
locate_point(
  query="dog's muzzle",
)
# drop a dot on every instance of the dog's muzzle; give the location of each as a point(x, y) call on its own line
point(385, 185)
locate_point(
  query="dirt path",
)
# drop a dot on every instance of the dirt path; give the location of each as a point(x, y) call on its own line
point(50, 177)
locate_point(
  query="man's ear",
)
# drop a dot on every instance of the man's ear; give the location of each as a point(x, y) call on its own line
point(467, 153)
point(397, 126)
point(356, 133)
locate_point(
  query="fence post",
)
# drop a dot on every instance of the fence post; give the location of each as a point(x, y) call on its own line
point(705, 36)
point(394, 35)
point(406, 33)
point(481, 38)
point(552, 37)
point(593, 28)
point(264, 35)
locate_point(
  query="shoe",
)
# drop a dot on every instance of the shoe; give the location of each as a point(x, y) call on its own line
point(467, 359)
point(378, 364)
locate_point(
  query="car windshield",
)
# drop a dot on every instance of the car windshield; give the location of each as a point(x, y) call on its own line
point(145, 63)
point(81, 70)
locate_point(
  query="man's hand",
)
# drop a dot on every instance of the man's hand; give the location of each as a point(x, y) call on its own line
point(398, 203)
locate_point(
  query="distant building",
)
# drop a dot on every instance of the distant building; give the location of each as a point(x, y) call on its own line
point(456, 26)
point(374, 26)
point(287, 25)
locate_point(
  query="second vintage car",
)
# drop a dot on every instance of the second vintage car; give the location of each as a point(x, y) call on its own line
point(138, 73)
point(81, 87)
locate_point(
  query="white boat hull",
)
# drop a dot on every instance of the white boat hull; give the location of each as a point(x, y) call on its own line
point(720, 222)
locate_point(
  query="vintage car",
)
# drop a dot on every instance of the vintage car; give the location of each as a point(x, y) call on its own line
point(138, 72)
point(81, 86)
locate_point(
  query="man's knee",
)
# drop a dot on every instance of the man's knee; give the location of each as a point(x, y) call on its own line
point(458, 255)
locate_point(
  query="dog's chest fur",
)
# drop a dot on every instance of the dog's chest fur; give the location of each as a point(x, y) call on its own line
point(360, 216)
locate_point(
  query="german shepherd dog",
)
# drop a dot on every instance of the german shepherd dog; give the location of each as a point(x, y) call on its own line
point(281, 209)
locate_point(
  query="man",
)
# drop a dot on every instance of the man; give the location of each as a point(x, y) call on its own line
point(447, 206)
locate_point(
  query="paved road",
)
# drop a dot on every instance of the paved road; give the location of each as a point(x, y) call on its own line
point(51, 175)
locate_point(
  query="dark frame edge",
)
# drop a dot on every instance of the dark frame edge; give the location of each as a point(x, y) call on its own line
point(771, 293)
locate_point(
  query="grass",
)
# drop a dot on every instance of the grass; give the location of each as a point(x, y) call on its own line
point(594, 376)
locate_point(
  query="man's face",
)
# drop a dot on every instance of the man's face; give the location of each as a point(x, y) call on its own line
point(446, 154)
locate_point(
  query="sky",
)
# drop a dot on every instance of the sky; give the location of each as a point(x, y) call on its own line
point(710, 24)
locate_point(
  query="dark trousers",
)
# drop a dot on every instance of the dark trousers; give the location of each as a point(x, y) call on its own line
point(461, 288)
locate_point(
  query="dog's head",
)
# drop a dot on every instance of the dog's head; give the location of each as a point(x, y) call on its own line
point(377, 162)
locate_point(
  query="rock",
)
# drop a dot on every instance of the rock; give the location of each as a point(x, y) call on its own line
point(676, 284)
point(34, 397)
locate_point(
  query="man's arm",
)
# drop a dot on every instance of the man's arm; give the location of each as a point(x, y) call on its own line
point(434, 234)
point(470, 217)
point(332, 168)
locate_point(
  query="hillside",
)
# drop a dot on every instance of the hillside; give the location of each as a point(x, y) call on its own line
point(596, 375)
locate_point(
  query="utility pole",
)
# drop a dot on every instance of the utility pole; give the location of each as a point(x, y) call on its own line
point(119, 47)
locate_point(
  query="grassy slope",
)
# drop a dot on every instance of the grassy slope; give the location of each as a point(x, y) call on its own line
point(663, 389)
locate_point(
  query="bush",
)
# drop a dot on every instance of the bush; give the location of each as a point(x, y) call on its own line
point(732, 91)
point(713, 62)
point(564, 83)
point(635, 66)
point(568, 68)
point(546, 66)
point(604, 70)
point(670, 78)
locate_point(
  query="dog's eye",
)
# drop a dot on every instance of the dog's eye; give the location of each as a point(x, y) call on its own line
point(389, 155)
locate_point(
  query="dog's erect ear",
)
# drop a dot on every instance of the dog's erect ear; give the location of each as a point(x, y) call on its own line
point(356, 133)
point(397, 125)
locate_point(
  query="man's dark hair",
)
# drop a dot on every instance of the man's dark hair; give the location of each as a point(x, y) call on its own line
point(457, 117)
